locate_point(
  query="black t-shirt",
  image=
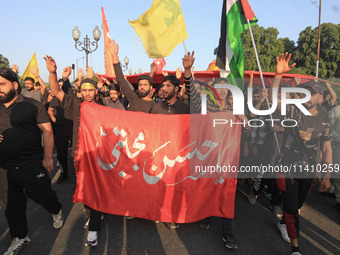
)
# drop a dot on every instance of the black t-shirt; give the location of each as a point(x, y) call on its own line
point(312, 130)
point(72, 105)
point(22, 136)
point(164, 107)
point(63, 116)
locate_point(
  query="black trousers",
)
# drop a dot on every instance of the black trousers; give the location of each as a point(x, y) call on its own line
point(294, 193)
point(62, 137)
point(95, 219)
point(31, 179)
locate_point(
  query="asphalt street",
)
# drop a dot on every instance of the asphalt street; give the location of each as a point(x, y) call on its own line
point(254, 229)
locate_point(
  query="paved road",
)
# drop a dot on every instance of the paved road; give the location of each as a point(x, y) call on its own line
point(255, 230)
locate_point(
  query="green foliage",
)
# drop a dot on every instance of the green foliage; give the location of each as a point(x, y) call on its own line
point(269, 46)
point(4, 61)
point(306, 51)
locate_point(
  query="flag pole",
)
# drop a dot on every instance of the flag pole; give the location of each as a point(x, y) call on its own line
point(185, 48)
point(186, 51)
point(262, 80)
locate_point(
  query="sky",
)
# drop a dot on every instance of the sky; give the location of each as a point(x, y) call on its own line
point(45, 27)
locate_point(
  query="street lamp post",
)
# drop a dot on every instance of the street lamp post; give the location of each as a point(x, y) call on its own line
point(126, 61)
point(86, 45)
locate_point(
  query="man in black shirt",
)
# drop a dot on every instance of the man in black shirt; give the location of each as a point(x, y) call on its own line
point(299, 149)
point(63, 134)
point(171, 105)
point(88, 90)
point(138, 103)
point(113, 101)
point(22, 122)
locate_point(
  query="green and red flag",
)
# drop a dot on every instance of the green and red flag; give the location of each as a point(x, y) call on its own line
point(230, 58)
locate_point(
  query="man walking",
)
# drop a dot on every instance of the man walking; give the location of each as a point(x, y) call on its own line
point(23, 121)
point(299, 149)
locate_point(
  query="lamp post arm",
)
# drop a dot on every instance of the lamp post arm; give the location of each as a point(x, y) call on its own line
point(94, 44)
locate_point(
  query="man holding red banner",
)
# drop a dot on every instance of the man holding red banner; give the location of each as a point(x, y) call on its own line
point(227, 223)
point(171, 105)
point(88, 90)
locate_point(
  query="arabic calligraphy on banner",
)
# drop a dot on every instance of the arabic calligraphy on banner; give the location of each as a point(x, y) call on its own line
point(146, 165)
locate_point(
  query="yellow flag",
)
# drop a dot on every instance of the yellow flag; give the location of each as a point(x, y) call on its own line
point(161, 28)
point(27, 72)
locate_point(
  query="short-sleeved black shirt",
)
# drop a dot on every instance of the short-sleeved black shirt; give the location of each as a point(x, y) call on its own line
point(22, 136)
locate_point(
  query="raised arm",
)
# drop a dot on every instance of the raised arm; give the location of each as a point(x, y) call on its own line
point(130, 95)
point(332, 93)
point(34, 70)
point(80, 75)
point(52, 68)
point(282, 66)
point(15, 68)
point(89, 72)
point(188, 62)
point(153, 69)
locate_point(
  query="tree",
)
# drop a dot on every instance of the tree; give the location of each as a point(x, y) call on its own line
point(4, 61)
point(289, 46)
point(306, 50)
point(268, 47)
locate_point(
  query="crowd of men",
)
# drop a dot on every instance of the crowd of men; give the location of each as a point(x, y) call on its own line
point(35, 120)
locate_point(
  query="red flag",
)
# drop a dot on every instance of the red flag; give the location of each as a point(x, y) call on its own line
point(152, 166)
point(160, 63)
point(248, 12)
point(109, 71)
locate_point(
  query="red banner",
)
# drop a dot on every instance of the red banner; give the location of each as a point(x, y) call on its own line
point(109, 71)
point(157, 167)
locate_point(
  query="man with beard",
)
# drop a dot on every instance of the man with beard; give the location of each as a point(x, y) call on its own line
point(299, 149)
point(24, 124)
point(113, 101)
point(30, 92)
point(171, 105)
point(88, 90)
point(138, 103)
